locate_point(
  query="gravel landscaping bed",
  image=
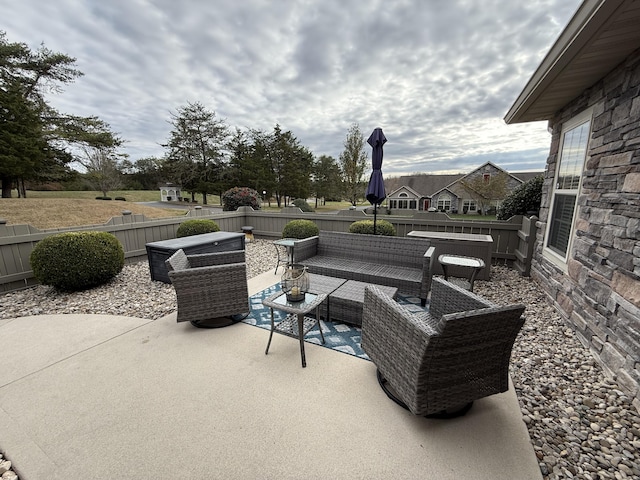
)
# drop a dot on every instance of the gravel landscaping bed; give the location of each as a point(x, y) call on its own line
point(581, 424)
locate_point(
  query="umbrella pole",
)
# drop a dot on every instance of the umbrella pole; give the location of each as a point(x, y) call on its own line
point(375, 214)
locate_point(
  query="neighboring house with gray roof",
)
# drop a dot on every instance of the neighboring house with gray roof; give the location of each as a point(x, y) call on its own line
point(444, 192)
point(587, 256)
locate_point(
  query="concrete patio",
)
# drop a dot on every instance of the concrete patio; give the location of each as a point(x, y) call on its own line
point(90, 396)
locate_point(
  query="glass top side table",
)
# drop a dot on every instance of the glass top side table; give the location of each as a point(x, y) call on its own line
point(288, 243)
point(296, 324)
point(475, 264)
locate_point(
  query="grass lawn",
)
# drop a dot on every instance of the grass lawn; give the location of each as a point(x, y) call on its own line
point(130, 195)
point(45, 210)
point(56, 209)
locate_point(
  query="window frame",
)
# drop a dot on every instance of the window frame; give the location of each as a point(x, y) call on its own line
point(557, 193)
point(443, 200)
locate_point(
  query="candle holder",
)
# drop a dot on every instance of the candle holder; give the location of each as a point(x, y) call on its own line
point(295, 282)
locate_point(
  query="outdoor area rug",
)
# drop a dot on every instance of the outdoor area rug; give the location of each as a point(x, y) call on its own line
point(338, 336)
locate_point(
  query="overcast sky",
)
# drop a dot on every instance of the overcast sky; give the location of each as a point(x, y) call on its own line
point(438, 76)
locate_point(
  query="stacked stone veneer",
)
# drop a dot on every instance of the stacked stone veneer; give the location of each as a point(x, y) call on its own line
point(599, 294)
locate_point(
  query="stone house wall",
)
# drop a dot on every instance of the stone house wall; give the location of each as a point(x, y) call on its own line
point(599, 296)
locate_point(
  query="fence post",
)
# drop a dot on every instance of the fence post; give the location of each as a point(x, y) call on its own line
point(524, 253)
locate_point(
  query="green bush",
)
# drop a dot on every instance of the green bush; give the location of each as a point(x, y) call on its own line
point(302, 205)
point(196, 227)
point(383, 227)
point(122, 199)
point(525, 198)
point(300, 229)
point(240, 197)
point(77, 260)
point(103, 198)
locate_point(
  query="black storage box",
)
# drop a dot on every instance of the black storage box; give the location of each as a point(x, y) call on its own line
point(158, 252)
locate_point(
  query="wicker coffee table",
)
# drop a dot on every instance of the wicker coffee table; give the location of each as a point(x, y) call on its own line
point(347, 301)
point(327, 285)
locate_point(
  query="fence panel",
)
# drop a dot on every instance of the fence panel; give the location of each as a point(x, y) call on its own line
point(512, 240)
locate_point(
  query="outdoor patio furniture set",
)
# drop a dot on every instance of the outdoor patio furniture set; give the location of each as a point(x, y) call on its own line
point(436, 362)
point(404, 263)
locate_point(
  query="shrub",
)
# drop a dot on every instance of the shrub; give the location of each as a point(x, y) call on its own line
point(383, 227)
point(196, 227)
point(103, 198)
point(302, 205)
point(525, 198)
point(300, 229)
point(240, 197)
point(77, 260)
point(122, 199)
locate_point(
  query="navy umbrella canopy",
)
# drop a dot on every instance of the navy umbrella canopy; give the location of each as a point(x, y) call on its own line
point(375, 190)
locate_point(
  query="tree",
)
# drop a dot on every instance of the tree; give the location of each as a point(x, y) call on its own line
point(104, 170)
point(486, 190)
point(22, 143)
point(196, 149)
point(327, 181)
point(284, 164)
point(524, 200)
point(248, 163)
point(37, 137)
point(144, 174)
point(353, 162)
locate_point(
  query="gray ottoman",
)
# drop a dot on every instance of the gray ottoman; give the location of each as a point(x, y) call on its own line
point(347, 300)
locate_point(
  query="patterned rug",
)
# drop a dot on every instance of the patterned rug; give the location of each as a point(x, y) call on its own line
point(338, 336)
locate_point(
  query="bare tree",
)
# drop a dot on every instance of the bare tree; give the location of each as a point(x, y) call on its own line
point(486, 190)
point(103, 168)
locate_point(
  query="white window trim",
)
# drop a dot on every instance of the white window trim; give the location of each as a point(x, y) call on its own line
point(548, 253)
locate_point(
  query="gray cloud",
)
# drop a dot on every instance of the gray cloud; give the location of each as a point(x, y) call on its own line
point(437, 76)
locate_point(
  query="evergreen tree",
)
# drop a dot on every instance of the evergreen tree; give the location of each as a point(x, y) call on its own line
point(36, 138)
point(196, 149)
point(327, 181)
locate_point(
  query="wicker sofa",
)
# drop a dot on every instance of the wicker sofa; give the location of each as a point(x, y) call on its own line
point(401, 262)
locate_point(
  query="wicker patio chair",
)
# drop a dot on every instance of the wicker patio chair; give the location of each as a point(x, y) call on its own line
point(437, 363)
point(211, 288)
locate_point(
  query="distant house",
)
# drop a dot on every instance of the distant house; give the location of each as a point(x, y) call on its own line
point(444, 192)
point(587, 255)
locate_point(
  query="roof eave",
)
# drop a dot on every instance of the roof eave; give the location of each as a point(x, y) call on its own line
point(584, 24)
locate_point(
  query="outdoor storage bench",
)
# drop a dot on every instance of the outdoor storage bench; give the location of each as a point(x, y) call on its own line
point(401, 262)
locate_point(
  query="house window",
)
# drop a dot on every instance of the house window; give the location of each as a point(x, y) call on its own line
point(412, 205)
point(469, 206)
point(402, 204)
point(444, 203)
point(573, 152)
point(486, 177)
point(392, 204)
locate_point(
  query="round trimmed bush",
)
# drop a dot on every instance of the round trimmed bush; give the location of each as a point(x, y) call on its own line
point(525, 198)
point(240, 197)
point(196, 227)
point(73, 261)
point(383, 227)
point(302, 205)
point(300, 229)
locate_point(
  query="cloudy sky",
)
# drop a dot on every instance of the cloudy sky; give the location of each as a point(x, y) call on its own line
point(437, 75)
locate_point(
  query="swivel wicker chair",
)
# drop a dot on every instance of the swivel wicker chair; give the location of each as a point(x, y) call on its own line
point(211, 288)
point(437, 363)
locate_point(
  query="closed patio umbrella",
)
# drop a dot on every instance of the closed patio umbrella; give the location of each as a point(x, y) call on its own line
point(375, 190)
